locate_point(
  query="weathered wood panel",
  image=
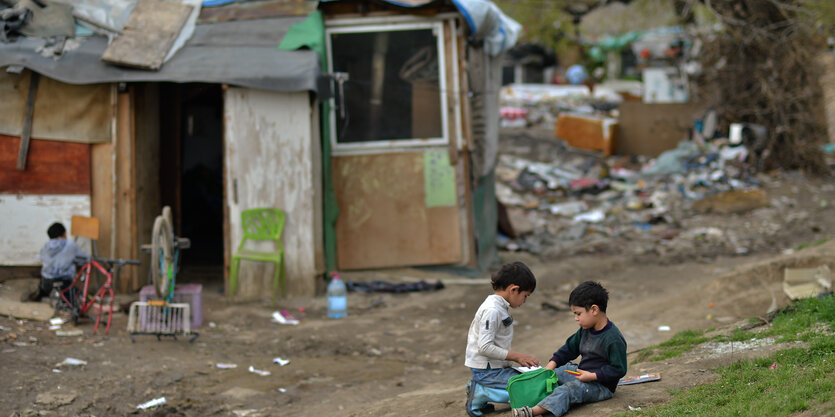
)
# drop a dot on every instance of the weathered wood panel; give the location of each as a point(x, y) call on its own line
point(26, 218)
point(384, 216)
point(146, 173)
point(270, 161)
point(149, 33)
point(51, 167)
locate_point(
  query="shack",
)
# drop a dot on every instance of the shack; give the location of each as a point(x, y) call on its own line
point(390, 166)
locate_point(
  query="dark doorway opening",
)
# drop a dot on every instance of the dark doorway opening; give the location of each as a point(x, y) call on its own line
point(191, 174)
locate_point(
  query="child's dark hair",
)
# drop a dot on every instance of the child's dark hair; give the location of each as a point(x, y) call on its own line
point(56, 230)
point(588, 294)
point(514, 273)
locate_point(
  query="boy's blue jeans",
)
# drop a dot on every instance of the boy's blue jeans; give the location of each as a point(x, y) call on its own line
point(488, 385)
point(572, 391)
point(493, 377)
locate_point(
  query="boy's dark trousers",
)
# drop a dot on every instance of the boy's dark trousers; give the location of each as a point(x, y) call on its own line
point(47, 284)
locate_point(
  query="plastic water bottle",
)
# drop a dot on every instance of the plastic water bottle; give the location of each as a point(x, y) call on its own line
point(337, 298)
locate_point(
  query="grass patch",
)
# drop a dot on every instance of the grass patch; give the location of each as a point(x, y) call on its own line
point(800, 379)
point(812, 244)
point(681, 342)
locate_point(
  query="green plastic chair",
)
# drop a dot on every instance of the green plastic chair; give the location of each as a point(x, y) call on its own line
point(260, 224)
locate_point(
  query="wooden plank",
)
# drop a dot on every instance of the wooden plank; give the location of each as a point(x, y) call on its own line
point(449, 73)
point(125, 189)
point(149, 33)
point(147, 169)
point(383, 218)
point(257, 10)
point(53, 167)
point(27, 121)
point(464, 99)
point(101, 201)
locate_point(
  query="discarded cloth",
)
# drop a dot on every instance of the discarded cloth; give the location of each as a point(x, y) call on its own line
point(382, 286)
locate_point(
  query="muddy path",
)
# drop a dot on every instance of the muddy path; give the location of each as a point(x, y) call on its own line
point(394, 354)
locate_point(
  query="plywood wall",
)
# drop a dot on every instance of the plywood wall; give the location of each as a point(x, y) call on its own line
point(388, 215)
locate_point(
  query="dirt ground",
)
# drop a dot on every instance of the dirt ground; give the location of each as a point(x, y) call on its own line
point(403, 354)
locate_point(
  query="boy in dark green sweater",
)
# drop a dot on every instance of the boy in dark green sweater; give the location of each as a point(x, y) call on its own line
point(604, 356)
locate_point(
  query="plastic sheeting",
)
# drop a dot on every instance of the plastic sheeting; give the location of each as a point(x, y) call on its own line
point(486, 21)
point(237, 58)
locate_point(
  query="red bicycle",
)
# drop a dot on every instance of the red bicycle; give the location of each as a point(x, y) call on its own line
point(77, 298)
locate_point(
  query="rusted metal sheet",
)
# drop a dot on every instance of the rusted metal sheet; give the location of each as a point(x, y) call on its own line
point(26, 218)
point(271, 161)
point(52, 167)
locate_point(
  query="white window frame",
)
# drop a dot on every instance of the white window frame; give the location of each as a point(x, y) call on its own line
point(378, 146)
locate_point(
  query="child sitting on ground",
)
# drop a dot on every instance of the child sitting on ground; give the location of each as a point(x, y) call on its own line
point(604, 356)
point(58, 258)
point(488, 352)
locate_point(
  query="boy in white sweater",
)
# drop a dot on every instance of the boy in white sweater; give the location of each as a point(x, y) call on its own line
point(489, 355)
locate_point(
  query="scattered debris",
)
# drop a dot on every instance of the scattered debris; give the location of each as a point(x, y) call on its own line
point(281, 361)
point(227, 365)
point(258, 371)
point(153, 403)
point(640, 379)
point(72, 362)
point(663, 328)
point(281, 318)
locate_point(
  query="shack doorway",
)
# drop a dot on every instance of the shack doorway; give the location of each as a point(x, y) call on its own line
point(191, 175)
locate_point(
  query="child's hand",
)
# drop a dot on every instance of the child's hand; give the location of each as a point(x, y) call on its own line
point(527, 360)
point(586, 376)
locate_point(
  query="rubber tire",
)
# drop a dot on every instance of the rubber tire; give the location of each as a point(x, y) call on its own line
point(162, 253)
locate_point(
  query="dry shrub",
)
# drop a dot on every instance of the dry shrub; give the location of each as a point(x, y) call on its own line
point(761, 68)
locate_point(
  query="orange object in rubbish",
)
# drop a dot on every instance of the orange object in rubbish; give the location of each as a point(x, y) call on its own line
point(711, 304)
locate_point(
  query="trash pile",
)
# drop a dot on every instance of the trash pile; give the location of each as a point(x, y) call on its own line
point(526, 105)
point(582, 203)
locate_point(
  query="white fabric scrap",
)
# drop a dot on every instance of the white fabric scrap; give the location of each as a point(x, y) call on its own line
point(258, 371)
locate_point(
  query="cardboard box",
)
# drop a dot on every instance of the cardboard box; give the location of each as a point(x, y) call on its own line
point(806, 282)
point(588, 132)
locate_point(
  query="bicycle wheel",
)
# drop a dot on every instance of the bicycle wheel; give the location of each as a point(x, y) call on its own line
point(162, 256)
point(166, 212)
